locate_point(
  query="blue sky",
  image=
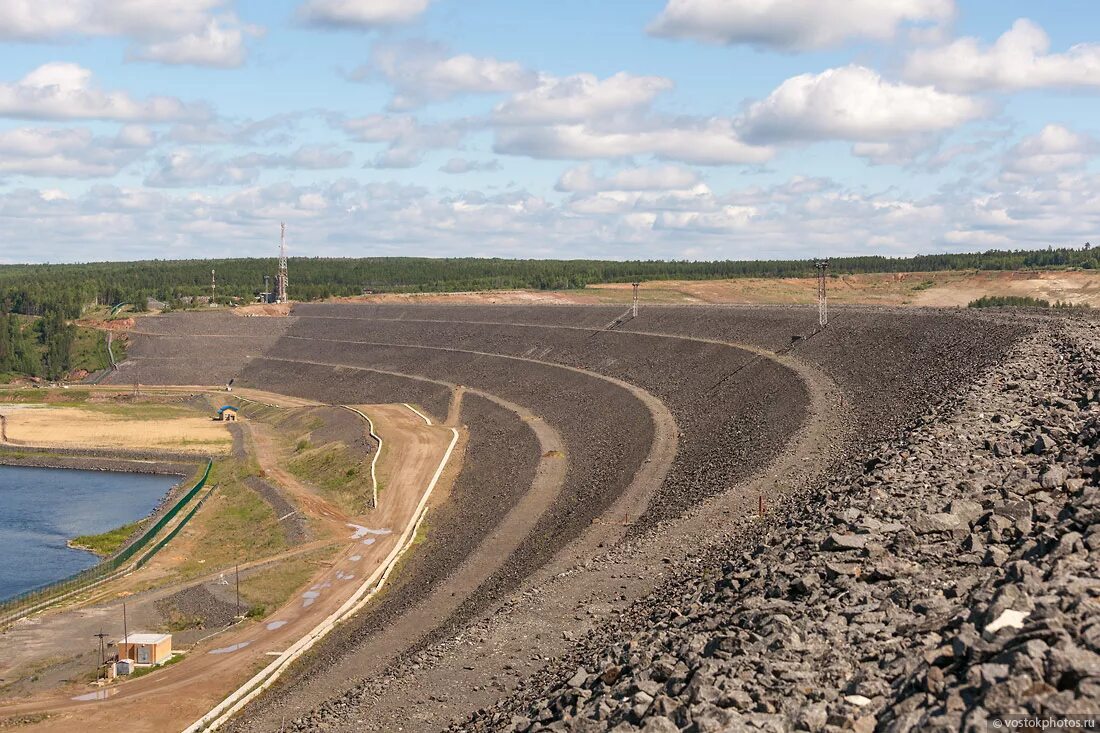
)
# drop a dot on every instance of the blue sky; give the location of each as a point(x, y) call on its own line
point(697, 129)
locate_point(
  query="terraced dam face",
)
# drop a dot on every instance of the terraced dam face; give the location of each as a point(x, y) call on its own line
point(635, 444)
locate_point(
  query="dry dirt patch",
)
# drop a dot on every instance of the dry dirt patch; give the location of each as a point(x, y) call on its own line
point(150, 429)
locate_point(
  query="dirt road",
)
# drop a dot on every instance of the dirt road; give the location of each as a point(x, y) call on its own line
point(174, 697)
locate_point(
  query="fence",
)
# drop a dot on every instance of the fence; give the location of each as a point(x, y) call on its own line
point(43, 595)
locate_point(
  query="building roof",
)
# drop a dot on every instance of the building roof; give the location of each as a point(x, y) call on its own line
point(223, 408)
point(144, 639)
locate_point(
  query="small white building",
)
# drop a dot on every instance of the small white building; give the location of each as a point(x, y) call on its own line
point(146, 649)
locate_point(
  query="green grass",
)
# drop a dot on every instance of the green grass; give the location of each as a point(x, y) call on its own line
point(234, 526)
point(107, 543)
point(89, 350)
point(268, 589)
point(335, 471)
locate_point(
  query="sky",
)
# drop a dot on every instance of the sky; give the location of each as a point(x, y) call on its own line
point(622, 129)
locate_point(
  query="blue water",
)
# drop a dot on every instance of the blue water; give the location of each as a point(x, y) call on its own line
point(42, 508)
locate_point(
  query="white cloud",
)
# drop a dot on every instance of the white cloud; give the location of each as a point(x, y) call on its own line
point(701, 142)
point(582, 117)
point(579, 98)
point(854, 103)
point(273, 130)
point(64, 152)
point(1055, 148)
point(216, 45)
point(904, 151)
point(361, 14)
point(66, 91)
point(426, 72)
point(199, 32)
point(647, 178)
point(185, 168)
point(458, 166)
point(1019, 59)
point(794, 24)
point(135, 136)
point(181, 168)
point(799, 218)
point(308, 157)
point(407, 137)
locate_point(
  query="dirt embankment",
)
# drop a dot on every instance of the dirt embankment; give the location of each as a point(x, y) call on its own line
point(934, 289)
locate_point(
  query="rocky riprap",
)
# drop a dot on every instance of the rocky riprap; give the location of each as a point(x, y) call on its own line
point(956, 580)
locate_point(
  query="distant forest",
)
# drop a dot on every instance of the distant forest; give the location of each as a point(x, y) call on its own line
point(37, 290)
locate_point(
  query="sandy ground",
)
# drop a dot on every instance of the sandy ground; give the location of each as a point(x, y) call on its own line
point(77, 427)
point(268, 310)
point(910, 288)
point(172, 698)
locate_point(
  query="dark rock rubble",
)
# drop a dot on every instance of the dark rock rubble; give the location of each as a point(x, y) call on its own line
point(957, 580)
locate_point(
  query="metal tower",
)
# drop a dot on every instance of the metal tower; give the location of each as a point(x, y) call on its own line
point(822, 301)
point(281, 282)
point(634, 313)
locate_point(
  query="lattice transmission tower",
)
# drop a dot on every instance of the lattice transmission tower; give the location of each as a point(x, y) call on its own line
point(822, 298)
point(281, 281)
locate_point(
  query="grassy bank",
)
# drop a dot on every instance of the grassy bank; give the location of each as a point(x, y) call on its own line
point(107, 543)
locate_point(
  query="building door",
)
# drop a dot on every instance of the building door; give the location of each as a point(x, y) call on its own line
point(144, 654)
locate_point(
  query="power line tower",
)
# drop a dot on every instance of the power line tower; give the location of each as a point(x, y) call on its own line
point(634, 310)
point(281, 282)
point(822, 300)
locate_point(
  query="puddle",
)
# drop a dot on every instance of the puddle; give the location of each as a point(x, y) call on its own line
point(355, 558)
point(309, 597)
point(271, 626)
point(231, 648)
point(368, 541)
point(341, 575)
point(361, 531)
point(97, 695)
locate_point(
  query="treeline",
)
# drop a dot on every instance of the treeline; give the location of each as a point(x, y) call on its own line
point(35, 289)
point(40, 347)
point(1020, 301)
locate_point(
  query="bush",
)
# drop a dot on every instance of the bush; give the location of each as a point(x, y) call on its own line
point(1011, 301)
point(1019, 301)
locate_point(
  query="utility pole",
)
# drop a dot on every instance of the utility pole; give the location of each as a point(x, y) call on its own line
point(101, 636)
point(213, 286)
point(634, 311)
point(822, 301)
point(237, 572)
point(125, 628)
